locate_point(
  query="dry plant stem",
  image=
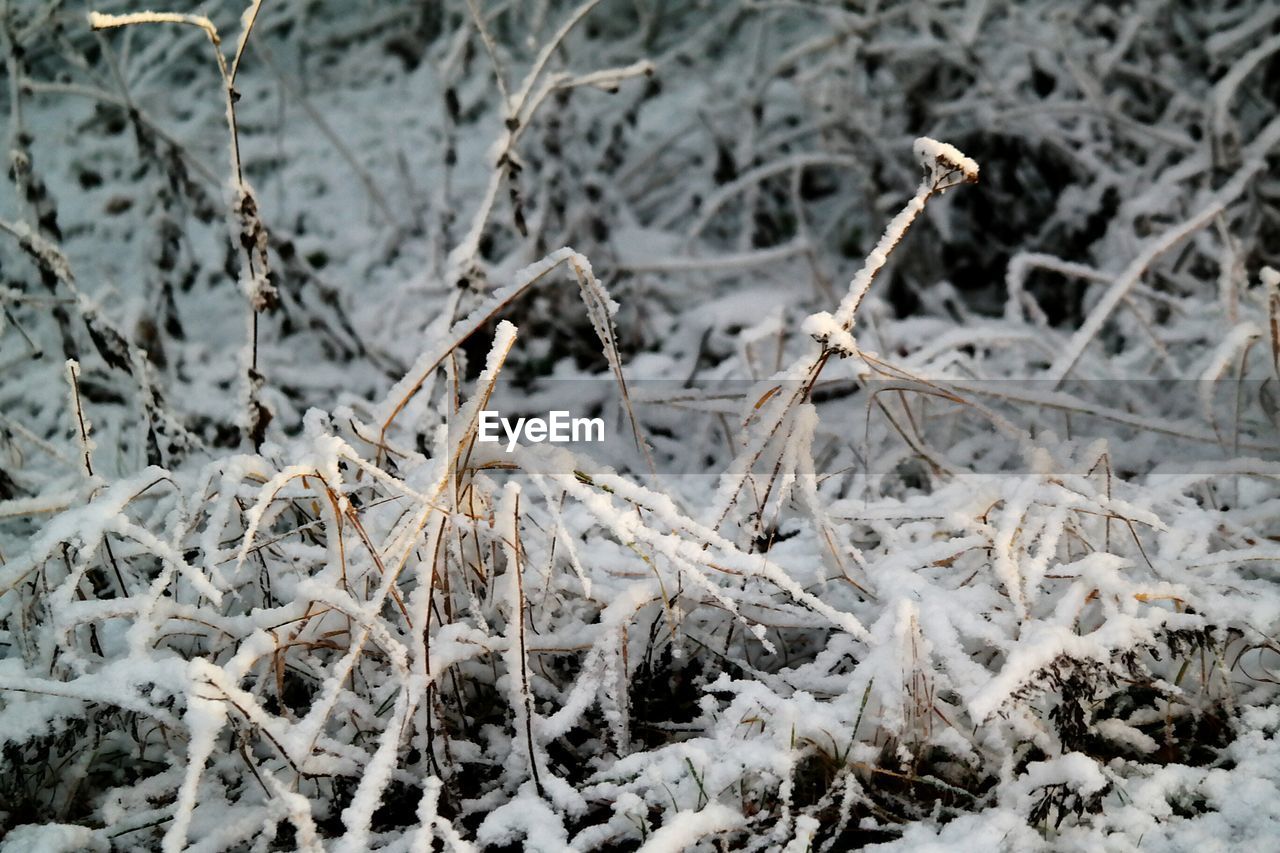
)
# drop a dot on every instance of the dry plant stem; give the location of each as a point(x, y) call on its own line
point(196, 165)
point(520, 108)
point(514, 565)
point(499, 73)
point(593, 296)
point(51, 260)
point(1271, 281)
point(1254, 159)
point(889, 240)
point(31, 190)
point(1121, 288)
point(247, 23)
point(933, 183)
point(289, 664)
point(86, 449)
point(245, 206)
point(406, 543)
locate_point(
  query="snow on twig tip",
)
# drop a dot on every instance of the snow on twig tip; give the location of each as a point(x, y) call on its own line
point(942, 160)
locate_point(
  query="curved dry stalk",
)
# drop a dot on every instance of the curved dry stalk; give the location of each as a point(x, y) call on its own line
point(945, 167)
point(252, 236)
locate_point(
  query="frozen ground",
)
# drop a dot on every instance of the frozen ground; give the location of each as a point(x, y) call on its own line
point(960, 537)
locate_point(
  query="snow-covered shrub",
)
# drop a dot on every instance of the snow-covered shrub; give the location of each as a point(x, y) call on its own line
point(977, 551)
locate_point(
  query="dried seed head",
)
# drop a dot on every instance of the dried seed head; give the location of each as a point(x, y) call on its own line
point(944, 161)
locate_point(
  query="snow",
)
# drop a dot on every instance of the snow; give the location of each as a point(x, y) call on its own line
point(941, 159)
point(934, 513)
point(526, 818)
point(824, 328)
point(683, 830)
point(204, 720)
point(52, 838)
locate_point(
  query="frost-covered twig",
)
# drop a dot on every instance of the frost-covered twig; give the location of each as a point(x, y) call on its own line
point(251, 234)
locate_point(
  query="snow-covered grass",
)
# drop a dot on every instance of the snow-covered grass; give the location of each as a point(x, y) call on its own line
point(976, 552)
